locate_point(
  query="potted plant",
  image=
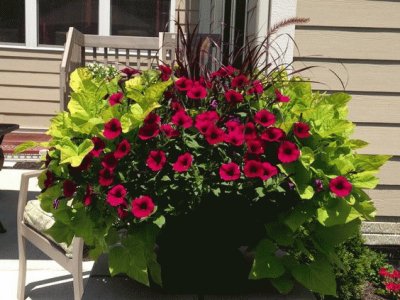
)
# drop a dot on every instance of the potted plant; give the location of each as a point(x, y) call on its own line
point(191, 179)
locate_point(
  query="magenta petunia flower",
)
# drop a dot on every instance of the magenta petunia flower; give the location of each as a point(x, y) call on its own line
point(229, 172)
point(280, 97)
point(99, 146)
point(152, 118)
point(250, 132)
point(176, 105)
point(142, 207)
point(166, 72)
point(183, 163)
point(122, 211)
point(69, 188)
point(106, 177)
point(253, 169)
point(128, 71)
point(239, 81)
point(169, 131)
point(233, 97)
point(269, 171)
point(148, 131)
point(273, 134)
point(197, 91)
point(112, 129)
point(234, 126)
point(182, 119)
point(255, 146)
point(88, 197)
point(288, 152)
point(116, 196)
point(234, 137)
point(156, 160)
point(264, 118)
point(203, 126)
point(258, 87)
point(301, 130)
point(50, 178)
point(122, 149)
point(224, 71)
point(214, 135)
point(340, 186)
point(109, 161)
point(183, 84)
point(115, 98)
point(211, 116)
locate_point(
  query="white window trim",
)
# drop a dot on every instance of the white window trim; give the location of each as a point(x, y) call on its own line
point(32, 25)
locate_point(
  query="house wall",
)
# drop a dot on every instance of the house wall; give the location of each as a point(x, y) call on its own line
point(29, 87)
point(359, 42)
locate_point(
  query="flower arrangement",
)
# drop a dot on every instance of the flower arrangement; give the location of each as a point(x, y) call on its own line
point(252, 161)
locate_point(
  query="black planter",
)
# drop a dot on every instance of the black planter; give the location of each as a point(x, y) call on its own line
point(199, 252)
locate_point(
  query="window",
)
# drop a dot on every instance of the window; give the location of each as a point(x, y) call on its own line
point(139, 17)
point(56, 16)
point(12, 21)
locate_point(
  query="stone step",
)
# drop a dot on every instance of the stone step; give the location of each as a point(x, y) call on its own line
point(381, 227)
point(381, 239)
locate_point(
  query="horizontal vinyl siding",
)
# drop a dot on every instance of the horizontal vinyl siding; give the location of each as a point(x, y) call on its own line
point(359, 42)
point(29, 87)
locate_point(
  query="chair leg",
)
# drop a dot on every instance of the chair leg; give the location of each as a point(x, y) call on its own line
point(77, 276)
point(22, 268)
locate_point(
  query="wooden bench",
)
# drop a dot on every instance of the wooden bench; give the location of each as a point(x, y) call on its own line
point(120, 51)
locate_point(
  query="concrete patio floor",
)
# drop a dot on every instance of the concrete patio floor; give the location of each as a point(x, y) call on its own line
point(45, 278)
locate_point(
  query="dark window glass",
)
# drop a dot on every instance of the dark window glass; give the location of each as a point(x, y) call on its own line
point(56, 16)
point(139, 17)
point(12, 21)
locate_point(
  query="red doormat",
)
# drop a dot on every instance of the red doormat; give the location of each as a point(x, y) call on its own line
point(13, 139)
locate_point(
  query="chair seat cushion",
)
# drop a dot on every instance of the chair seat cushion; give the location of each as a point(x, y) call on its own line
point(41, 221)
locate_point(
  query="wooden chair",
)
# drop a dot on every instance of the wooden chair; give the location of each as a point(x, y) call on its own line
point(120, 51)
point(70, 258)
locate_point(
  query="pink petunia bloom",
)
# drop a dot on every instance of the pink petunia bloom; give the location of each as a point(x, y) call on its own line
point(211, 116)
point(122, 149)
point(280, 97)
point(112, 129)
point(169, 131)
point(203, 126)
point(239, 81)
point(109, 161)
point(152, 118)
point(224, 71)
point(301, 130)
point(50, 178)
point(148, 131)
point(197, 91)
point(340, 186)
point(176, 105)
point(288, 152)
point(253, 169)
point(255, 146)
point(273, 134)
point(128, 71)
point(233, 97)
point(182, 119)
point(269, 171)
point(116, 196)
point(229, 172)
point(69, 188)
point(234, 137)
point(88, 197)
point(166, 72)
point(115, 98)
point(142, 207)
point(234, 126)
point(122, 211)
point(250, 132)
point(99, 146)
point(258, 87)
point(183, 163)
point(183, 84)
point(156, 160)
point(106, 177)
point(264, 118)
point(214, 135)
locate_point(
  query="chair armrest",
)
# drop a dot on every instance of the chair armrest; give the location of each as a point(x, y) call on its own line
point(23, 192)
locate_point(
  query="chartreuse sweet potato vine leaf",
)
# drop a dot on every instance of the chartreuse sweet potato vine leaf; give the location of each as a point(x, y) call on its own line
point(266, 264)
point(73, 154)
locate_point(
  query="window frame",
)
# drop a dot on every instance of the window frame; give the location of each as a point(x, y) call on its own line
point(32, 25)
